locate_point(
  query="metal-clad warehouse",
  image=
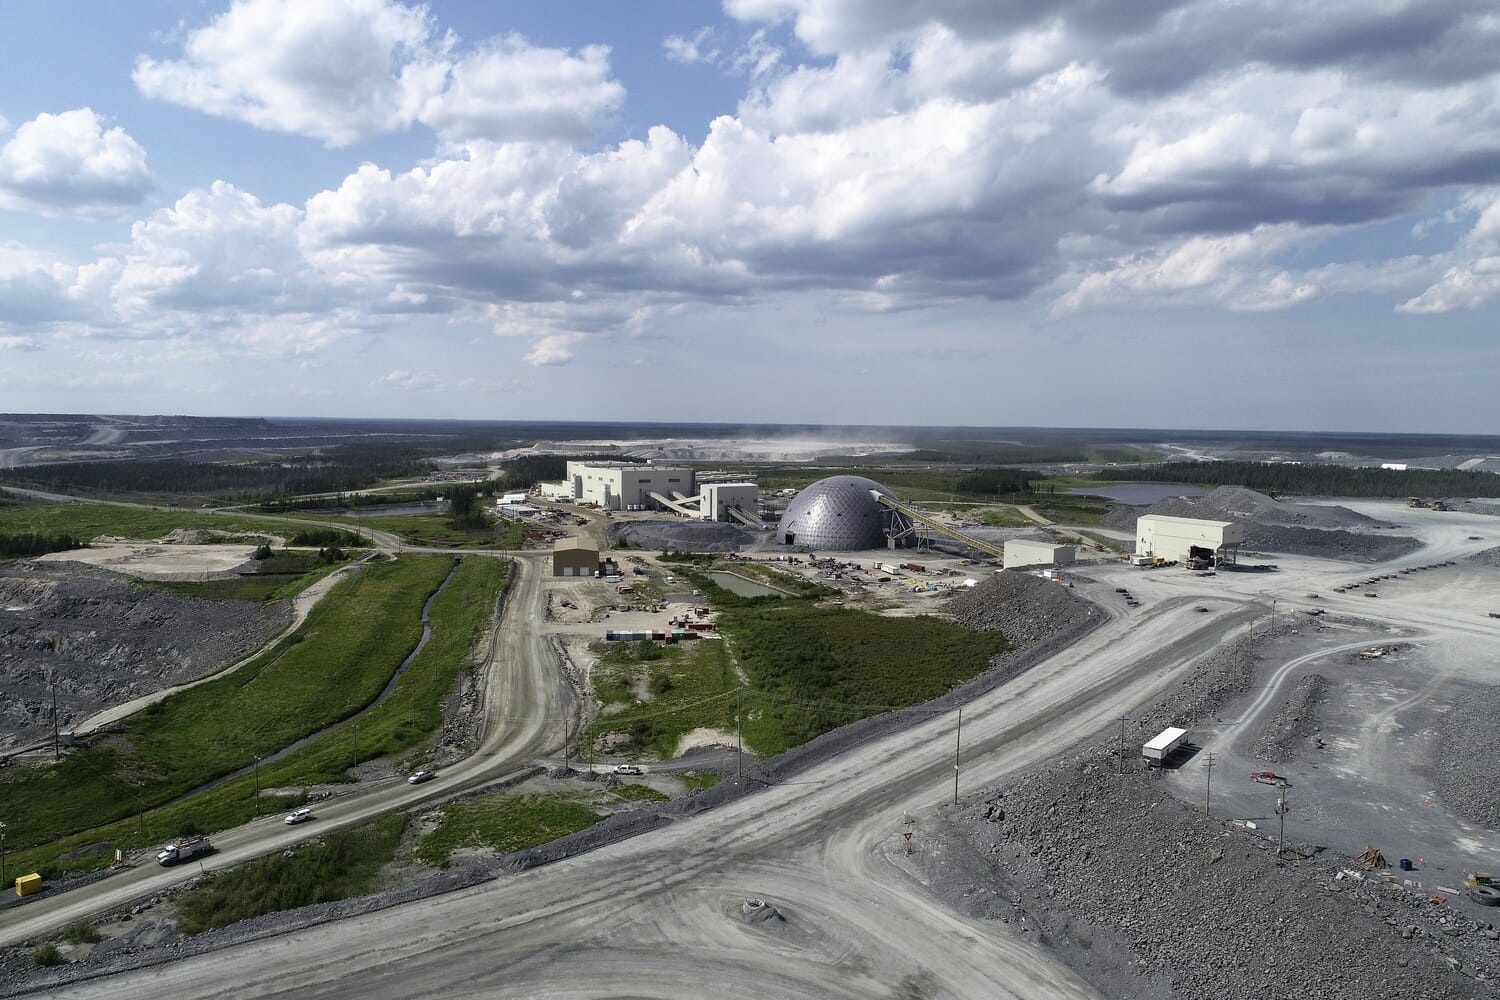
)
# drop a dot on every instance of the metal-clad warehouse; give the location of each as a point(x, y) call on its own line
point(1180, 539)
point(1020, 552)
point(574, 557)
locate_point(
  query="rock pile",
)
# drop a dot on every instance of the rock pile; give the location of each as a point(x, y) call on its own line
point(1203, 906)
point(1286, 735)
point(1224, 673)
point(1026, 608)
point(1468, 746)
point(1273, 526)
point(106, 640)
point(1489, 557)
point(680, 535)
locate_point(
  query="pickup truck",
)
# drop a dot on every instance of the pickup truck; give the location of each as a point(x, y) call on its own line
point(1268, 778)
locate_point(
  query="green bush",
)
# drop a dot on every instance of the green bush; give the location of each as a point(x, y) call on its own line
point(81, 932)
point(47, 955)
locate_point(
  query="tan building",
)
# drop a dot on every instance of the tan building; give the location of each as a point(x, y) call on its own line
point(574, 557)
point(1021, 552)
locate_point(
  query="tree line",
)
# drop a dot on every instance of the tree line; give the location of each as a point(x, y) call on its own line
point(1318, 480)
point(38, 545)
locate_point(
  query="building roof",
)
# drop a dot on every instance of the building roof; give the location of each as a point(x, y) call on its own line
point(574, 544)
point(1169, 519)
point(1166, 738)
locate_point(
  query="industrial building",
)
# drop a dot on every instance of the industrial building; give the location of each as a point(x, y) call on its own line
point(633, 486)
point(574, 557)
point(1020, 553)
point(1186, 539)
point(840, 514)
point(621, 485)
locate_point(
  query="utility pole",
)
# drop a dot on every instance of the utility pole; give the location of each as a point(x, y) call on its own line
point(1281, 820)
point(1123, 720)
point(2, 852)
point(958, 735)
point(566, 723)
point(56, 740)
point(1208, 770)
point(739, 736)
point(257, 785)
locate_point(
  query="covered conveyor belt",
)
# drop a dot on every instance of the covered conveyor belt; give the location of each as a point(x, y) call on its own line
point(929, 522)
point(748, 520)
point(688, 506)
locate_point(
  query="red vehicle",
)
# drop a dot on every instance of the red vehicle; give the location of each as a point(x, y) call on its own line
point(1268, 778)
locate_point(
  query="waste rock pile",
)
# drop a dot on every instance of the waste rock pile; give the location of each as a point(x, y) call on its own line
point(1202, 907)
point(1026, 608)
point(1467, 750)
point(106, 639)
point(1295, 723)
point(680, 536)
point(1328, 532)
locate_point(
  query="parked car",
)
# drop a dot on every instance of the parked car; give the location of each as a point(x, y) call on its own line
point(629, 769)
point(298, 816)
point(418, 777)
point(1267, 778)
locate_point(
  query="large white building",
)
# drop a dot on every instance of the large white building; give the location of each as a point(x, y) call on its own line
point(632, 486)
point(626, 486)
point(1181, 539)
point(1020, 553)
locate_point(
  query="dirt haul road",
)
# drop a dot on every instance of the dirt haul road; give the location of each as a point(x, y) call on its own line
point(659, 915)
point(524, 689)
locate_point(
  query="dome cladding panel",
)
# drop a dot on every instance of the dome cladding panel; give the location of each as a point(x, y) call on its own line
point(837, 513)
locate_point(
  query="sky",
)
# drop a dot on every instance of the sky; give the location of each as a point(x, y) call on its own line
point(1261, 214)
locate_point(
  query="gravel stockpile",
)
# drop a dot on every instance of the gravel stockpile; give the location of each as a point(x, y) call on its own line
point(107, 640)
point(1097, 860)
point(680, 536)
point(1226, 672)
point(1273, 526)
point(1489, 557)
point(1292, 729)
point(1025, 607)
point(1468, 746)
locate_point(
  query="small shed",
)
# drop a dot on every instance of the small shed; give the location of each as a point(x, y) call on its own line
point(574, 557)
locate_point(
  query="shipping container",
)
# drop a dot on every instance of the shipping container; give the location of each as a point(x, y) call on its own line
point(28, 885)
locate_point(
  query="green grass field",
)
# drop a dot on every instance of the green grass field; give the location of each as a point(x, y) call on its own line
point(821, 668)
point(503, 822)
point(343, 864)
point(331, 668)
point(999, 517)
point(691, 685)
point(90, 520)
point(438, 531)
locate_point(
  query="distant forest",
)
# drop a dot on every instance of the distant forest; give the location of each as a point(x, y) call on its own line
point(38, 545)
point(1318, 480)
point(985, 481)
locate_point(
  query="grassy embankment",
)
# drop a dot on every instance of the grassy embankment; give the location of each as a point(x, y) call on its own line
point(435, 530)
point(89, 520)
point(282, 577)
point(343, 864)
point(810, 669)
point(504, 822)
point(330, 669)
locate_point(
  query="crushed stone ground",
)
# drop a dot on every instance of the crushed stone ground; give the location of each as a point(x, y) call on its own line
point(107, 640)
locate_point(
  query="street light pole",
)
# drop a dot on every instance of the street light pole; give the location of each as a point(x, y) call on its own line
point(2, 852)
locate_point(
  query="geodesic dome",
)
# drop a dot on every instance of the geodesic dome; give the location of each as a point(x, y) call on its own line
point(838, 514)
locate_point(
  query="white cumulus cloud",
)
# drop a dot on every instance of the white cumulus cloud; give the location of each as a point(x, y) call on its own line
point(70, 164)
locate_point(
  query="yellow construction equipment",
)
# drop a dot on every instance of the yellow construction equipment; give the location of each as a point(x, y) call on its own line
point(26, 885)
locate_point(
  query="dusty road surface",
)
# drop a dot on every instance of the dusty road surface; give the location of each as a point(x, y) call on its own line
point(523, 692)
point(659, 915)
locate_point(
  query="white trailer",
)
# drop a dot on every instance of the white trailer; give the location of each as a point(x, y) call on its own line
point(1163, 743)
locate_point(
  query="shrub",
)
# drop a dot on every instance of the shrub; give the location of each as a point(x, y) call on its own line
point(47, 955)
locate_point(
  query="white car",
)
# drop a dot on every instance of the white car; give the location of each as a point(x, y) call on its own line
point(418, 777)
point(629, 769)
point(298, 816)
